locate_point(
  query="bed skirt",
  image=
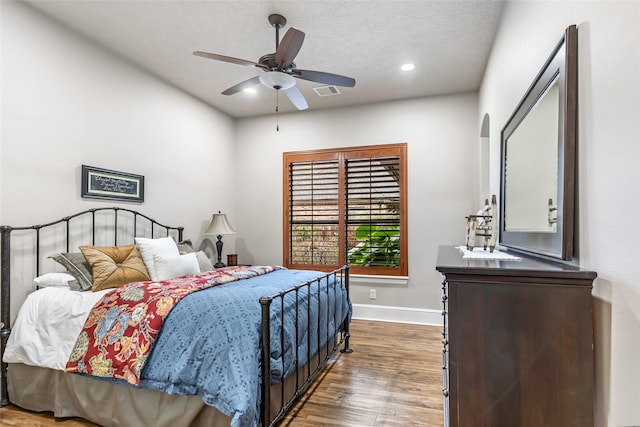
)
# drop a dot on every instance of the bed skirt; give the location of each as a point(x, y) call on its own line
point(104, 403)
point(115, 405)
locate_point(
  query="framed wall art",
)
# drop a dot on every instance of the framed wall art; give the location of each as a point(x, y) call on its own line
point(100, 183)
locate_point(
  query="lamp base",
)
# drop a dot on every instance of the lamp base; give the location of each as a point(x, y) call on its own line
point(219, 264)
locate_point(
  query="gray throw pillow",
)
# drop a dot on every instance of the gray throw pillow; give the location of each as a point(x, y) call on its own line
point(203, 261)
point(78, 267)
point(185, 247)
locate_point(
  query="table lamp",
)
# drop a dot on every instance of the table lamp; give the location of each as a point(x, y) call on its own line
point(218, 226)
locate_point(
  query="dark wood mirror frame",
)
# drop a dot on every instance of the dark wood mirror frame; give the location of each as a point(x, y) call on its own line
point(563, 64)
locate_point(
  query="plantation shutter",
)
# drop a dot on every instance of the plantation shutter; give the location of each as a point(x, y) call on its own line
point(314, 212)
point(346, 205)
point(373, 211)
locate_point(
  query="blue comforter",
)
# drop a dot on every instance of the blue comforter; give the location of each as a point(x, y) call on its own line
point(209, 345)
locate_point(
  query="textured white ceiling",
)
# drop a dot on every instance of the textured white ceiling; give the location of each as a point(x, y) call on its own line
point(449, 42)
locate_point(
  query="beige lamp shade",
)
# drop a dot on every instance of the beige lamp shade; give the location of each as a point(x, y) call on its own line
point(219, 225)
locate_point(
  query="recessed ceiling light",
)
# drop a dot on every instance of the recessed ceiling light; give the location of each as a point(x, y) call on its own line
point(249, 90)
point(407, 67)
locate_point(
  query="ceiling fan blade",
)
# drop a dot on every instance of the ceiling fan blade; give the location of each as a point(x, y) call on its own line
point(296, 98)
point(242, 85)
point(289, 47)
point(321, 77)
point(225, 58)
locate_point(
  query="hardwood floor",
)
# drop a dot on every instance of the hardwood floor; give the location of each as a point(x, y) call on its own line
point(393, 378)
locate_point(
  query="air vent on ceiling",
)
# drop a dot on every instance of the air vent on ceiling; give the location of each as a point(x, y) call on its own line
point(327, 90)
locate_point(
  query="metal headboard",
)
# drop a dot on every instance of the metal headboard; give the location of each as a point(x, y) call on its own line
point(5, 260)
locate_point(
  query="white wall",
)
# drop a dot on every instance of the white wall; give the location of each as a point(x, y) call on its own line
point(67, 102)
point(608, 164)
point(441, 133)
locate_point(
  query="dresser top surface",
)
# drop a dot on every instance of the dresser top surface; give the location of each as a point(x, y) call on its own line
point(450, 260)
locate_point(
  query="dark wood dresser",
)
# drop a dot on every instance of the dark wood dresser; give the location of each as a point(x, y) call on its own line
point(518, 342)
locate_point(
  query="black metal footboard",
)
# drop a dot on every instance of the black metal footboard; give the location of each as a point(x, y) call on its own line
point(313, 364)
point(85, 223)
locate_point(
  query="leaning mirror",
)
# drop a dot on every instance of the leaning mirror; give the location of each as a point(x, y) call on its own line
point(538, 151)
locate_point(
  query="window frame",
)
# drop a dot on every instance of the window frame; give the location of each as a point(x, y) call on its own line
point(342, 154)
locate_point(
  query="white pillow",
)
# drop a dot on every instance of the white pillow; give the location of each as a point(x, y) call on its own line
point(172, 266)
point(53, 279)
point(164, 246)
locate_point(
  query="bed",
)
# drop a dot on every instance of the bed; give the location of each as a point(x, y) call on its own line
point(202, 364)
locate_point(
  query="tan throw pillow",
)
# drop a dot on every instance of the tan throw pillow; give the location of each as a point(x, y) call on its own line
point(114, 266)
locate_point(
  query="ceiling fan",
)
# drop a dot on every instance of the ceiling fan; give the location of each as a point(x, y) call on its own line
point(280, 71)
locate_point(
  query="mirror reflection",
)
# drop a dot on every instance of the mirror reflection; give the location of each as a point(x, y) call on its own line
point(531, 167)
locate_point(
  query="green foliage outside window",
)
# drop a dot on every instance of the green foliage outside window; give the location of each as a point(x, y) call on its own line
point(378, 246)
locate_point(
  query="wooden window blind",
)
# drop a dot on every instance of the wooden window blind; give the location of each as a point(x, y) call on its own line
point(346, 206)
point(373, 211)
point(314, 212)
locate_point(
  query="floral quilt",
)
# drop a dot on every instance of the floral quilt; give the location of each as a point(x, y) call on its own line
point(121, 328)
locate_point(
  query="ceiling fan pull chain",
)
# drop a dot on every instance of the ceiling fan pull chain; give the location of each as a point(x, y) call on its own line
point(277, 111)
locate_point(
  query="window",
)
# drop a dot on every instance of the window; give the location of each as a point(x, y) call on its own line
point(344, 206)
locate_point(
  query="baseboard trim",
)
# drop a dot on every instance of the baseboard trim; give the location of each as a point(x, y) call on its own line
point(383, 313)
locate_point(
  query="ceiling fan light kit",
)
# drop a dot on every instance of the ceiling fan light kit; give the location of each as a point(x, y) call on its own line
point(280, 72)
point(277, 80)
